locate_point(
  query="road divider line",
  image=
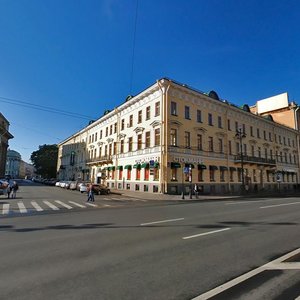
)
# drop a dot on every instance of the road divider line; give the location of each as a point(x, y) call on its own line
point(163, 221)
point(63, 204)
point(52, 206)
point(229, 284)
point(5, 210)
point(36, 206)
point(22, 208)
point(205, 233)
point(277, 205)
point(77, 204)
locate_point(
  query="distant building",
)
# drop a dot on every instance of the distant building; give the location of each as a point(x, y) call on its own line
point(16, 167)
point(4, 137)
point(280, 108)
point(13, 163)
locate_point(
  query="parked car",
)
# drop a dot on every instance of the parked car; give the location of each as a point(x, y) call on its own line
point(83, 187)
point(101, 189)
point(73, 185)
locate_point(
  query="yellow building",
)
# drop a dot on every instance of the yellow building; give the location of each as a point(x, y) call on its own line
point(170, 137)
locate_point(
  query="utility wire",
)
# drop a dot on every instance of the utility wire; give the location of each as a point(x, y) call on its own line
point(43, 108)
point(133, 48)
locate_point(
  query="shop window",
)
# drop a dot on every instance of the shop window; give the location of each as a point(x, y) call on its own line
point(146, 174)
point(138, 174)
point(128, 174)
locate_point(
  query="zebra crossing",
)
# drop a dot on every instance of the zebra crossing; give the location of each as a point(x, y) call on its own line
point(45, 205)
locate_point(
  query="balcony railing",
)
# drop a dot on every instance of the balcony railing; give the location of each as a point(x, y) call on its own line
point(255, 160)
point(99, 159)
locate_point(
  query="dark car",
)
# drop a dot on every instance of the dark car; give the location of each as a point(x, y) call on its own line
point(101, 189)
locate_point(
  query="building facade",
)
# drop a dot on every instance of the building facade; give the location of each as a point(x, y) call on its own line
point(5, 136)
point(171, 136)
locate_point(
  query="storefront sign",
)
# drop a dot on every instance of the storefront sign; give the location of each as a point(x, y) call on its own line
point(186, 160)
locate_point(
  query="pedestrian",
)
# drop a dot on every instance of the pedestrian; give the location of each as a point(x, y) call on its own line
point(196, 190)
point(8, 190)
point(90, 191)
point(14, 189)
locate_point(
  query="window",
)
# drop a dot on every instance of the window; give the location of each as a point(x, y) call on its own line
point(122, 146)
point(220, 122)
point(210, 119)
point(139, 143)
point(129, 174)
point(259, 151)
point(257, 133)
point(251, 130)
point(96, 135)
point(270, 137)
point(146, 174)
point(210, 144)
point(156, 174)
point(244, 128)
point(211, 174)
point(115, 148)
point(173, 136)
point(110, 129)
point(100, 134)
point(138, 174)
point(140, 117)
point(115, 127)
point(130, 120)
point(220, 142)
point(199, 141)
point(200, 175)
point(122, 124)
point(120, 174)
point(222, 175)
point(110, 149)
point(105, 150)
point(147, 139)
point(157, 137)
point(228, 125)
point(148, 113)
point(236, 126)
point(130, 144)
point(173, 108)
point(157, 109)
point(252, 151)
point(174, 174)
point(229, 148)
point(187, 139)
point(187, 112)
point(106, 131)
point(199, 116)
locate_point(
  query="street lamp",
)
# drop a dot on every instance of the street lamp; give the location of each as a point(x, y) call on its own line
point(240, 135)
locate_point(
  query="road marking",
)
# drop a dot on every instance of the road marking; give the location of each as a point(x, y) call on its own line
point(77, 204)
point(252, 201)
point(51, 205)
point(205, 233)
point(276, 205)
point(63, 204)
point(22, 207)
point(106, 205)
point(36, 206)
point(163, 221)
point(237, 280)
point(91, 204)
point(5, 209)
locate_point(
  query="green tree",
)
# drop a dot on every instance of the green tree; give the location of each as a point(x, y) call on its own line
point(45, 160)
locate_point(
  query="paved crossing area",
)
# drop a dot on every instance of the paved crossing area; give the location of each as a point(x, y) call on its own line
point(24, 207)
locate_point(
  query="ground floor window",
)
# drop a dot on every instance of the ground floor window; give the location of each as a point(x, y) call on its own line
point(174, 174)
point(200, 175)
point(146, 174)
point(128, 174)
point(156, 174)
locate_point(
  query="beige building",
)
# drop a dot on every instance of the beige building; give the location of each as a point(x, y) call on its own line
point(171, 136)
point(4, 137)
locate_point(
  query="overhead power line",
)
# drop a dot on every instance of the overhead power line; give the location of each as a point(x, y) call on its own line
point(44, 108)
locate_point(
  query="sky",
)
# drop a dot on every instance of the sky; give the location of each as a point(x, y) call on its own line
point(64, 62)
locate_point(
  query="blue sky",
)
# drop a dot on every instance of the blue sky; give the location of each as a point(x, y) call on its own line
point(76, 56)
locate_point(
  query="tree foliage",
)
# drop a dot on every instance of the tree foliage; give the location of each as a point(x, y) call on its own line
point(45, 160)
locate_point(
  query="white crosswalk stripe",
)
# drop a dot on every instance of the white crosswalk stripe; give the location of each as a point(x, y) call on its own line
point(63, 204)
point(91, 204)
point(5, 210)
point(36, 206)
point(77, 204)
point(22, 207)
point(51, 205)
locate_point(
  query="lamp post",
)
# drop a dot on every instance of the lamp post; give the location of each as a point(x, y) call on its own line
point(240, 135)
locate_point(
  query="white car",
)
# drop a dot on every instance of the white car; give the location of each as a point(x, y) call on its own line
point(83, 187)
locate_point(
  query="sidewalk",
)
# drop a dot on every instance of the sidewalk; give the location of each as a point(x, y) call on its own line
point(158, 196)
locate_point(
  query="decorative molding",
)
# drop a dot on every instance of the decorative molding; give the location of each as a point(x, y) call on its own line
point(201, 129)
point(121, 136)
point(139, 129)
point(176, 123)
point(155, 123)
point(252, 142)
point(110, 140)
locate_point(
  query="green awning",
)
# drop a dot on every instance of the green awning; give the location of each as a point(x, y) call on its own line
point(104, 169)
point(223, 168)
point(120, 168)
point(213, 167)
point(112, 168)
point(175, 165)
point(137, 166)
point(145, 165)
point(156, 164)
point(128, 167)
point(201, 167)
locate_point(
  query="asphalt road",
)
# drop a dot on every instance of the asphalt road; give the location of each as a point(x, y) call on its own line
point(142, 250)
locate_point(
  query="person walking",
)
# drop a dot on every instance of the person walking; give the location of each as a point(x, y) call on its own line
point(196, 190)
point(90, 191)
point(14, 189)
